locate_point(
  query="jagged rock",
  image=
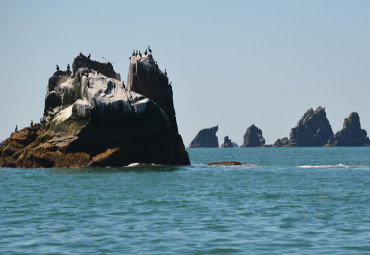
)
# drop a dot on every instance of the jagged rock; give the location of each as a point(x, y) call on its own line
point(351, 134)
point(253, 137)
point(232, 163)
point(91, 119)
point(227, 143)
point(281, 142)
point(312, 130)
point(206, 138)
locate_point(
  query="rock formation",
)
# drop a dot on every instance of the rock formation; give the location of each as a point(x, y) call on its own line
point(253, 137)
point(235, 144)
point(312, 130)
point(227, 143)
point(206, 138)
point(91, 119)
point(281, 142)
point(351, 134)
point(226, 163)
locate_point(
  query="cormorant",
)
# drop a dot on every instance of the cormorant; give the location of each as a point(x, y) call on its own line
point(165, 72)
point(68, 67)
point(140, 54)
point(146, 52)
point(149, 49)
point(89, 56)
point(16, 128)
point(57, 68)
point(81, 54)
point(133, 53)
point(31, 123)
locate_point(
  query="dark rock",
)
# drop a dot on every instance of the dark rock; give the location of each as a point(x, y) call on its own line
point(232, 163)
point(206, 138)
point(234, 145)
point(351, 134)
point(227, 143)
point(281, 142)
point(253, 137)
point(104, 68)
point(93, 120)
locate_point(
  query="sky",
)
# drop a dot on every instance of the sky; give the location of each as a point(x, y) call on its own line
point(231, 63)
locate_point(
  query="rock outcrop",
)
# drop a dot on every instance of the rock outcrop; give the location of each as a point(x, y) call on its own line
point(253, 137)
point(226, 163)
point(281, 142)
point(351, 134)
point(227, 143)
point(206, 138)
point(313, 130)
point(91, 119)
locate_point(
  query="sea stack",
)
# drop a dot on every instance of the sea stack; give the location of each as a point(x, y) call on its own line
point(227, 143)
point(312, 130)
point(351, 134)
point(253, 137)
point(91, 119)
point(206, 138)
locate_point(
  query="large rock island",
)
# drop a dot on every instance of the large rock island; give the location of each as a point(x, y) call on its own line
point(92, 119)
point(351, 134)
point(313, 129)
point(206, 138)
point(253, 137)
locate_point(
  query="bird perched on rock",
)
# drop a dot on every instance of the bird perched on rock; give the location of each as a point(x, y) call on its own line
point(68, 67)
point(146, 52)
point(89, 56)
point(149, 49)
point(16, 128)
point(31, 123)
point(136, 53)
point(165, 72)
point(140, 54)
point(133, 53)
point(57, 68)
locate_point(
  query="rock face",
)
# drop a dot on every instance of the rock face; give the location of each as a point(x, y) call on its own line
point(351, 134)
point(227, 143)
point(253, 137)
point(311, 131)
point(91, 119)
point(206, 138)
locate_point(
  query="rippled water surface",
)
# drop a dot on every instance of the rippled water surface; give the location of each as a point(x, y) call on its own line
point(282, 201)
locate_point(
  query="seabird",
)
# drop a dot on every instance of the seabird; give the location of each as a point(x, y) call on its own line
point(57, 68)
point(31, 123)
point(133, 53)
point(149, 49)
point(89, 56)
point(68, 67)
point(140, 54)
point(146, 52)
point(16, 128)
point(165, 72)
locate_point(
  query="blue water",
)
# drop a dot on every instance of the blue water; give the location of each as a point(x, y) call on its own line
point(283, 201)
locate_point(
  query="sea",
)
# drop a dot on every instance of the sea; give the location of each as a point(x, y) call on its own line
point(280, 201)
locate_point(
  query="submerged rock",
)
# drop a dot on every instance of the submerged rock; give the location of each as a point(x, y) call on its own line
point(91, 119)
point(227, 143)
point(206, 138)
point(351, 134)
point(232, 163)
point(253, 137)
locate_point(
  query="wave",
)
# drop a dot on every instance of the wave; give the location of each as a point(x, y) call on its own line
point(332, 166)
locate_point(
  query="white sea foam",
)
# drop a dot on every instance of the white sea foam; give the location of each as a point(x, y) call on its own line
point(326, 166)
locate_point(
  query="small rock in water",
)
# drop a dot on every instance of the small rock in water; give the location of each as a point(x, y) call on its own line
point(232, 163)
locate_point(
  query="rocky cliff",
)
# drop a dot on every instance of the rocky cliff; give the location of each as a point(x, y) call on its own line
point(227, 143)
point(253, 137)
point(351, 134)
point(91, 119)
point(313, 129)
point(206, 138)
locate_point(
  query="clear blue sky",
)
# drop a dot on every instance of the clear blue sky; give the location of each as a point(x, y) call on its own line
point(231, 63)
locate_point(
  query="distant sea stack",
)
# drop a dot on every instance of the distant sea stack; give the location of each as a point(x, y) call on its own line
point(227, 143)
point(206, 138)
point(92, 119)
point(253, 137)
point(312, 130)
point(351, 134)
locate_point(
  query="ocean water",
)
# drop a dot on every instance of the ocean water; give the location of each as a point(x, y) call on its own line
point(282, 201)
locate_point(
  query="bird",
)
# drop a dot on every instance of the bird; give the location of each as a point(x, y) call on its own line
point(146, 52)
point(68, 67)
point(31, 123)
point(129, 58)
point(133, 53)
point(136, 54)
point(140, 54)
point(16, 128)
point(149, 49)
point(165, 72)
point(89, 56)
point(57, 68)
